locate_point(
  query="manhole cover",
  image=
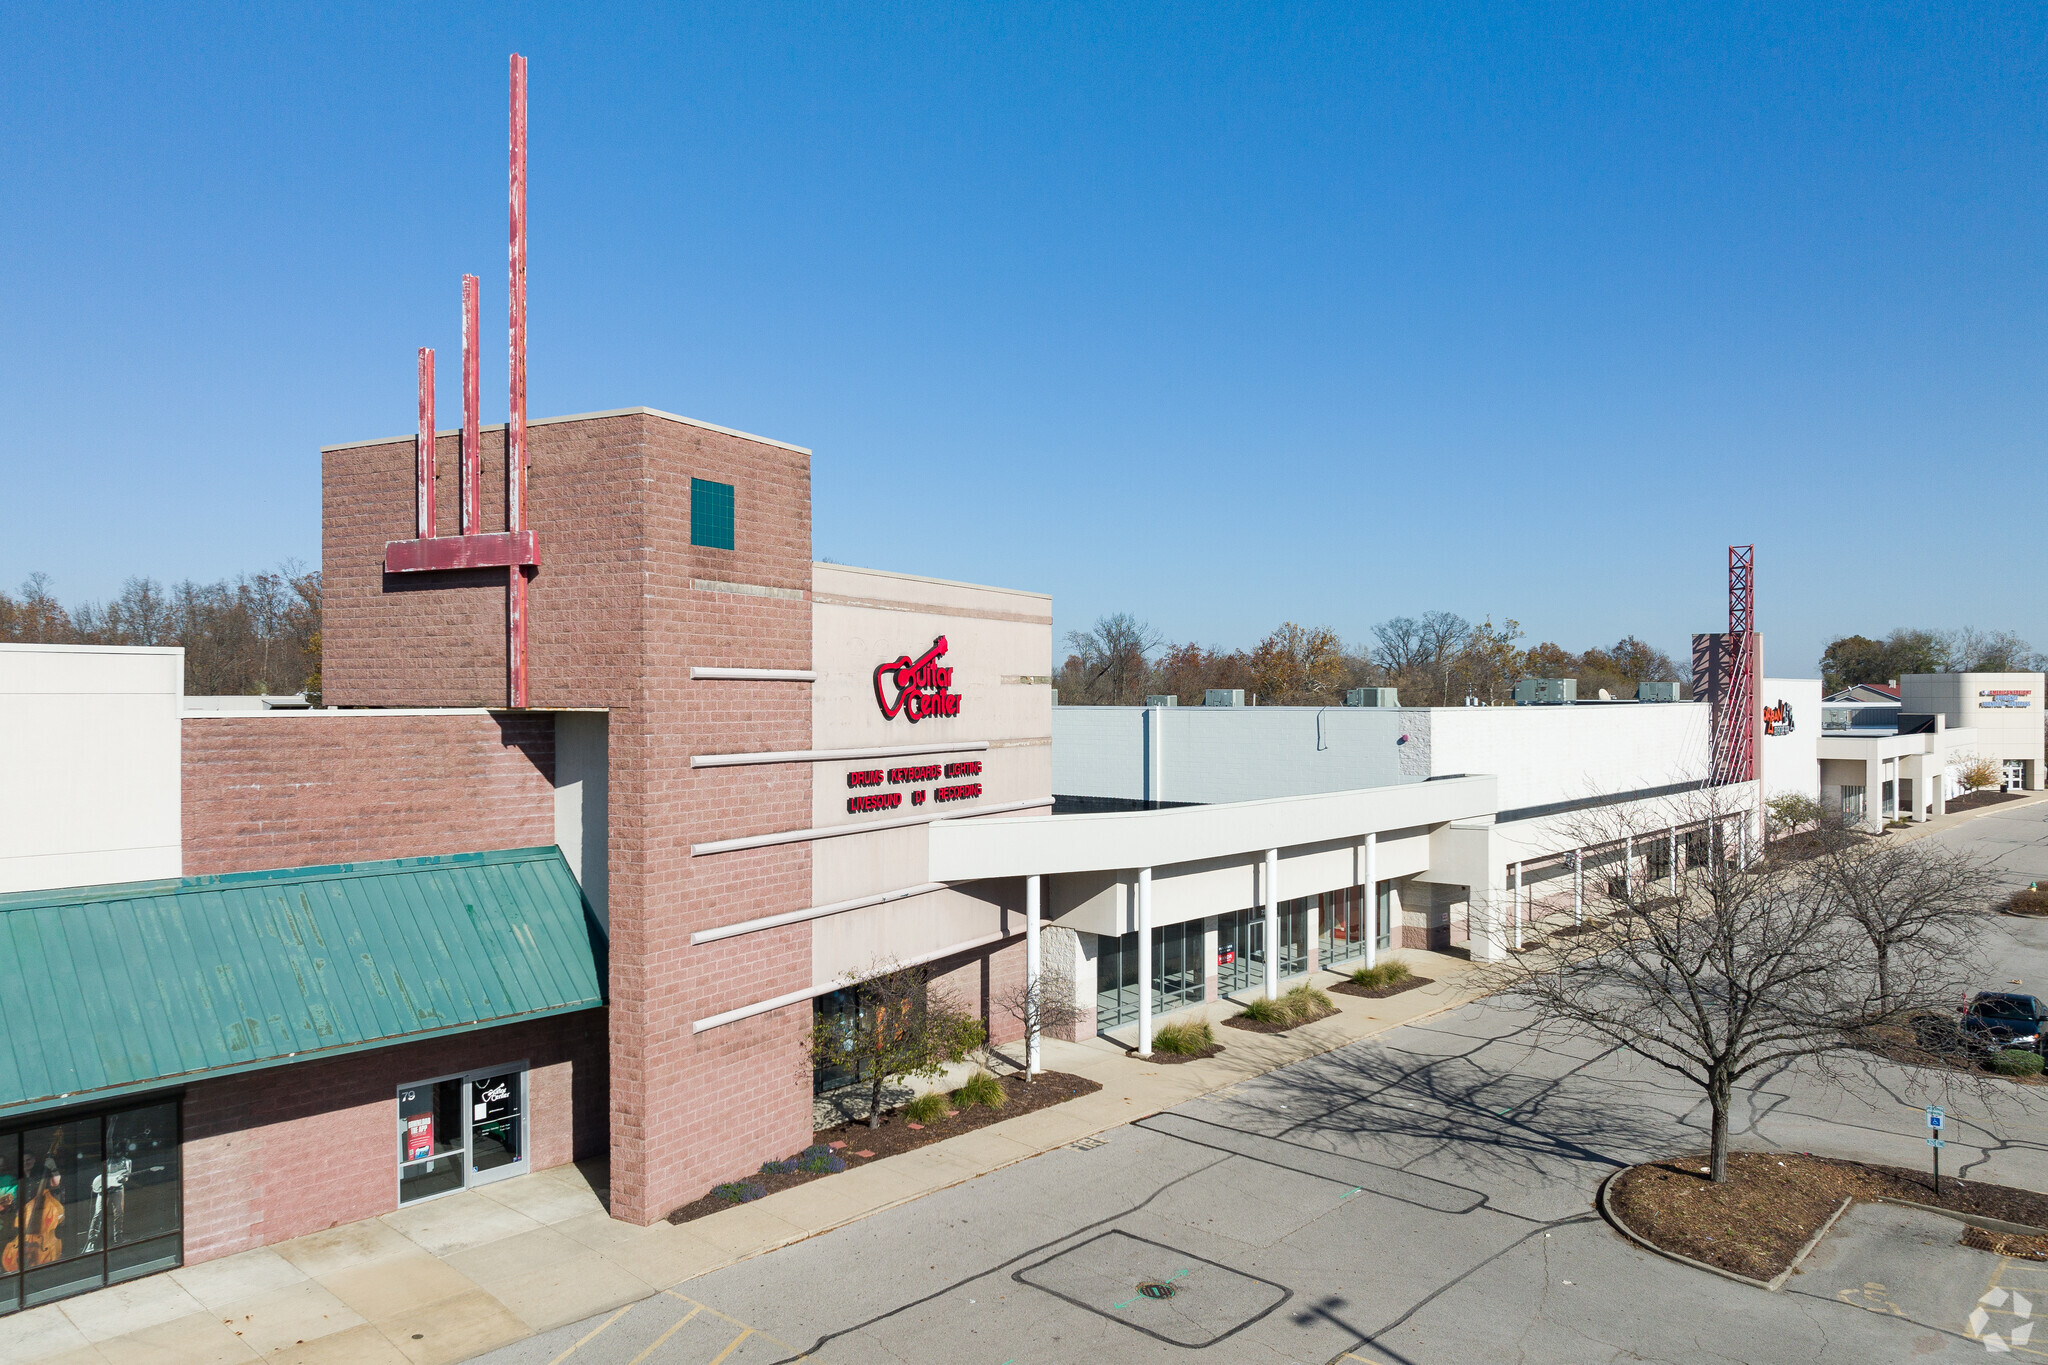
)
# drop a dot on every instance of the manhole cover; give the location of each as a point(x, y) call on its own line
point(1152, 1289)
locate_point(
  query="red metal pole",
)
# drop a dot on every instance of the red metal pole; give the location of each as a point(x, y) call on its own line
point(472, 453)
point(423, 500)
point(515, 426)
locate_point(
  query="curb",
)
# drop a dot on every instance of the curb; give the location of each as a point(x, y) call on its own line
point(1970, 1219)
point(1770, 1286)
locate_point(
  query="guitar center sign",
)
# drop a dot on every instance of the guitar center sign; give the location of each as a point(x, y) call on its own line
point(918, 687)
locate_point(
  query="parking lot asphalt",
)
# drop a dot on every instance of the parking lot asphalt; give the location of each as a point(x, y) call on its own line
point(1422, 1196)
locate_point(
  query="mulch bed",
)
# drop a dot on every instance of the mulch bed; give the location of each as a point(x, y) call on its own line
point(1574, 930)
point(1978, 800)
point(859, 1145)
point(1254, 1026)
point(1381, 992)
point(1174, 1058)
point(1772, 1202)
point(2007, 1243)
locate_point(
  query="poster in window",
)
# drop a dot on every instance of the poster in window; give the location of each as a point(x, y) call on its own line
point(494, 1097)
point(419, 1137)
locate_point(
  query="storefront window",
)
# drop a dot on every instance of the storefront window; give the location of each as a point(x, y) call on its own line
point(1240, 950)
point(1385, 923)
point(460, 1131)
point(87, 1201)
point(1177, 976)
point(1343, 924)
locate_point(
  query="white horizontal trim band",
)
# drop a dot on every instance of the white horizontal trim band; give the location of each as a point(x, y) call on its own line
point(829, 755)
point(798, 836)
point(756, 674)
point(813, 992)
point(814, 912)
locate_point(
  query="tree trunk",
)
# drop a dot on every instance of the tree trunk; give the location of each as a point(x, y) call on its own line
point(1884, 981)
point(875, 1102)
point(1718, 1096)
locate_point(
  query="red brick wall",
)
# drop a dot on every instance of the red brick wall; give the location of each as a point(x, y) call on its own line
point(290, 1150)
point(617, 621)
point(302, 790)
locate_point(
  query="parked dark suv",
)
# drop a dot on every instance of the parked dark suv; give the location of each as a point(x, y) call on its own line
point(1999, 1019)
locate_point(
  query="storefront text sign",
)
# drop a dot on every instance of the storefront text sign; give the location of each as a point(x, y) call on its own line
point(921, 686)
point(870, 801)
point(2005, 696)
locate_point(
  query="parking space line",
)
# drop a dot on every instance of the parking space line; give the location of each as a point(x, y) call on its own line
point(745, 1332)
point(585, 1340)
point(673, 1328)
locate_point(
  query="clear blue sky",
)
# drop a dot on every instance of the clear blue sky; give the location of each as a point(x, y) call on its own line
point(1218, 315)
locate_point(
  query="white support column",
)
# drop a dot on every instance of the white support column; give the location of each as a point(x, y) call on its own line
point(1144, 962)
point(1671, 883)
point(1272, 924)
point(1034, 976)
point(1518, 905)
point(1372, 900)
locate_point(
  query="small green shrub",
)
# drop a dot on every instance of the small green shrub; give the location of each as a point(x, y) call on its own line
point(1260, 1010)
point(1384, 975)
point(739, 1192)
point(1184, 1037)
point(2016, 1061)
point(980, 1088)
point(927, 1109)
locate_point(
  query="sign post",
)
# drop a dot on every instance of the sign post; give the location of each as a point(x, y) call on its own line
point(1935, 1119)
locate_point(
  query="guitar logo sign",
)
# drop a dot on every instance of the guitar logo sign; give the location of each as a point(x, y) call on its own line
point(922, 687)
point(1778, 719)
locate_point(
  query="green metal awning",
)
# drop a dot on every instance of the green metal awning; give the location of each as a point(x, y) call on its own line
point(110, 989)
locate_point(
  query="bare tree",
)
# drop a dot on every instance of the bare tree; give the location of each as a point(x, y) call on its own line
point(1756, 963)
point(1442, 636)
point(901, 1025)
point(1918, 904)
point(1400, 644)
point(1113, 655)
point(1044, 1006)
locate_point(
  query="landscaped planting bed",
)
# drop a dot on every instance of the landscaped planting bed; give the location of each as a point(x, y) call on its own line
point(852, 1145)
point(1772, 1203)
point(1302, 1005)
point(1382, 992)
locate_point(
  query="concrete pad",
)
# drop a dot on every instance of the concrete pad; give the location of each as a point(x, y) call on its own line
point(453, 1329)
point(364, 1345)
point(661, 1255)
point(123, 1308)
point(1901, 1262)
point(545, 1200)
point(744, 1230)
point(199, 1340)
point(396, 1286)
point(514, 1255)
point(551, 1294)
point(235, 1279)
point(347, 1247)
point(291, 1316)
point(39, 1334)
point(457, 1222)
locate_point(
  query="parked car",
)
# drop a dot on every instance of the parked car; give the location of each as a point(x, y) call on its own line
point(2000, 1019)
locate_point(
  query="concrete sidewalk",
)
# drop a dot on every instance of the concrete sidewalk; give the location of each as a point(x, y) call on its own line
point(460, 1275)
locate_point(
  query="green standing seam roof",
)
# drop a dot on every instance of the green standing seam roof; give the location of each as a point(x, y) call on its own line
point(106, 990)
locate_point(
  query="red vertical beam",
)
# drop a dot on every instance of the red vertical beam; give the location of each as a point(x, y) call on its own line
point(423, 500)
point(515, 426)
point(472, 453)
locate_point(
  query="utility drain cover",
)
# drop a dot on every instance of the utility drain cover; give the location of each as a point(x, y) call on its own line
point(1152, 1289)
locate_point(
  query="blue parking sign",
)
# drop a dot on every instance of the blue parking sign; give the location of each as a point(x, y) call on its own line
point(1935, 1117)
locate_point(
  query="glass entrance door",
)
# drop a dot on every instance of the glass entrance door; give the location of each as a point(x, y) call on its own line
point(461, 1131)
point(2015, 774)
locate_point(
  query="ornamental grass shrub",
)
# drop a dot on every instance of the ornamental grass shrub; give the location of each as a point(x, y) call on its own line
point(1185, 1037)
point(739, 1192)
point(1260, 1010)
point(927, 1109)
point(1384, 975)
point(2016, 1061)
point(981, 1088)
point(1297, 1006)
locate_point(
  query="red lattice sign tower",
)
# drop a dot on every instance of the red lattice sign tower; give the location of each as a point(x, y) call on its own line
point(1735, 735)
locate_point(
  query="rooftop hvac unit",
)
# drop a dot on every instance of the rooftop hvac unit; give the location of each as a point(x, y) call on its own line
point(1162, 699)
point(1223, 696)
point(1373, 696)
point(1657, 691)
point(1546, 691)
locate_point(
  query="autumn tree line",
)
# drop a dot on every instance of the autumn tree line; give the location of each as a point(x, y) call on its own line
point(1436, 659)
point(1854, 659)
point(255, 633)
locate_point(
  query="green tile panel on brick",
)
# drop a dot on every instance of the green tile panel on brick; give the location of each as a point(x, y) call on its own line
point(112, 989)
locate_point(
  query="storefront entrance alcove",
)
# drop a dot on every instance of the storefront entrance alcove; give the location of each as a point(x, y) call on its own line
point(459, 1131)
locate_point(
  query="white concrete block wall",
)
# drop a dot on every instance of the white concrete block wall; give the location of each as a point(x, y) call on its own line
point(1546, 754)
point(1099, 751)
point(2003, 731)
point(90, 757)
point(1791, 762)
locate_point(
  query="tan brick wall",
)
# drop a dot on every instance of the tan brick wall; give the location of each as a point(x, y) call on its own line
point(299, 790)
point(282, 1152)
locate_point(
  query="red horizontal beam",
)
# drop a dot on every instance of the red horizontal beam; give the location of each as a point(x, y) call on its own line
point(494, 550)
